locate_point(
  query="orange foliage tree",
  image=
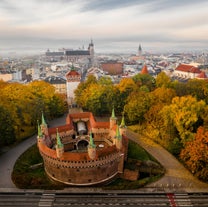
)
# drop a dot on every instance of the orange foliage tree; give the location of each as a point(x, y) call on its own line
point(195, 154)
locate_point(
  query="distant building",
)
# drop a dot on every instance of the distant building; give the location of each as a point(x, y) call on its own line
point(6, 76)
point(54, 56)
point(112, 68)
point(186, 71)
point(73, 78)
point(58, 82)
point(202, 75)
point(139, 56)
point(71, 55)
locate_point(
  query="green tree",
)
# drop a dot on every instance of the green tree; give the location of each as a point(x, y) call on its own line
point(144, 80)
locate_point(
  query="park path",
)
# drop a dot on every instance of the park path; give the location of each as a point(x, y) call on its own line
point(177, 178)
point(8, 159)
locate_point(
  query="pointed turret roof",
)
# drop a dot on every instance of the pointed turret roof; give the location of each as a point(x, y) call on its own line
point(144, 70)
point(43, 120)
point(40, 134)
point(118, 135)
point(123, 125)
point(58, 140)
point(113, 113)
point(91, 144)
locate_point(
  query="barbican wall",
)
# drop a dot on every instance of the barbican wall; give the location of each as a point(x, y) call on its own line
point(79, 169)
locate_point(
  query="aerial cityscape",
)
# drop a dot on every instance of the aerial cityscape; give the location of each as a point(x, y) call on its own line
point(103, 103)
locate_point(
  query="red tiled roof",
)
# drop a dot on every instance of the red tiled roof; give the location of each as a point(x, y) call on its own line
point(89, 115)
point(188, 68)
point(72, 73)
point(144, 70)
point(202, 75)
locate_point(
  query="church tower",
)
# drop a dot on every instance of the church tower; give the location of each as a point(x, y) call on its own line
point(91, 52)
point(91, 49)
point(91, 148)
point(140, 51)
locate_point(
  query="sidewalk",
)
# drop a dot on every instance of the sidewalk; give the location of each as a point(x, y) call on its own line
point(8, 159)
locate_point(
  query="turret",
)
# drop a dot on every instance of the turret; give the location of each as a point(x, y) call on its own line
point(91, 148)
point(59, 146)
point(44, 127)
point(40, 134)
point(113, 119)
point(122, 126)
point(118, 138)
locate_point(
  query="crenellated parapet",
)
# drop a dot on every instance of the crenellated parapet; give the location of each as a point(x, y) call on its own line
point(83, 152)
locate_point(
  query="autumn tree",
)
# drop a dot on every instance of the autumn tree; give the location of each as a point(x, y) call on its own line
point(185, 112)
point(125, 87)
point(163, 80)
point(159, 126)
point(25, 104)
point(137, 105)
point(195, 154)
point(82, 87)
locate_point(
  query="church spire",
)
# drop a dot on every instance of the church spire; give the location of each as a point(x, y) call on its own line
point(139, 50)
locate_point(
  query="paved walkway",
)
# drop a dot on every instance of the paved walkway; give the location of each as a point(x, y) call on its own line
point(177, 178)
point(8, 159)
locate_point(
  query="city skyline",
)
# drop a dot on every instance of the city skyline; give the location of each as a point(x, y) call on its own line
point(114, 25)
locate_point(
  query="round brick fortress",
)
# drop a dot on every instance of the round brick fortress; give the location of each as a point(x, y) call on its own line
point(83, 152)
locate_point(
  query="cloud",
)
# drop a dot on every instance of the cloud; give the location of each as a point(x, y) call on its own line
point(119, 22)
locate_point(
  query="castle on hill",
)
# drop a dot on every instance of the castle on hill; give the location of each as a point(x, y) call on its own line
point(83, 152)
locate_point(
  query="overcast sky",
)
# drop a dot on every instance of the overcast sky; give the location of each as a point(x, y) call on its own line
point(114, 25)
